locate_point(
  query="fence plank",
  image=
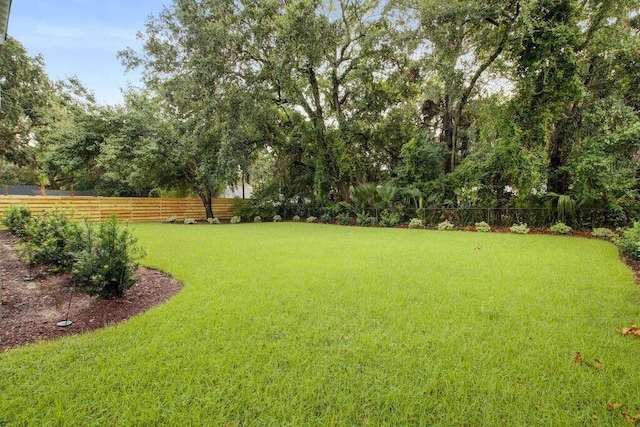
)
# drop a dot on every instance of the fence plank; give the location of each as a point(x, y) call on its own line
point(132, 209)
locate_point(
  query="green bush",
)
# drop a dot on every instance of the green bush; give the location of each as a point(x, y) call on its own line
point(258, 218)
point(172, 219)
point(560, 228)
point(364, 220)
point(519, 228)
point(311, 219)
point(602, 233)
point(446, 226)
point(483, 227)
point(389, 219)
point(277, 218)
point(188, 220)
point(213, 220)
point(629, 242)
point(415, 223)
point(295, 218)
point(51, 238)
point(16, 219)
point(106, 264)
point(325, 218)
point(343, 218)
point(235, 219)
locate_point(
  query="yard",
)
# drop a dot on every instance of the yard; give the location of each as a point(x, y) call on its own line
point(309, 324)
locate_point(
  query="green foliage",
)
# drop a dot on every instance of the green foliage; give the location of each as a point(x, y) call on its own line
point(445, 226)
point(415, 223)
point(295, 218)
point(16, 219)
point(364, 220)
point(171, 220)
point(277, 218)
point(258, 218)
point(482, 227)
point(311, 219)
point(343, 218)
point(602, 233)
point(325, 218)
point(189, 220)
point(214, 220)
point(519, 228)
point(51, 238)
point(235, 219)
point(389, 218)
point(561, 228)
point(106, 264)
point(629, 242)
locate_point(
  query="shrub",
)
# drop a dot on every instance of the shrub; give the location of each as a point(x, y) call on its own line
point(213, 220)
point(483, 227)
point(389, 219)
point(106, 264)
point(445, 226)
point(277, 218)
point(188, 220)
point(172, 219)
point(364, 220)
point(560, 228)
point(257, 219)
point(295, 218)
point(311, 219)
point(602, 233)
point(343, 218)
point(629, 242)
point(51, 239)
point(415, 223)
point(519, 228)
point(16, 219)
point(326, 218)
point(235, 219)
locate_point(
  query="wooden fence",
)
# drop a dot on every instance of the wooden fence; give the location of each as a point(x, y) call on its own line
point(134, 209)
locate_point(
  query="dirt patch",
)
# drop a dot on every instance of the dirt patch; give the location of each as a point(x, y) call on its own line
point(35, 299)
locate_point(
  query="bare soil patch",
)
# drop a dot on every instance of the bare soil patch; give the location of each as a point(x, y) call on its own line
point(31, 308)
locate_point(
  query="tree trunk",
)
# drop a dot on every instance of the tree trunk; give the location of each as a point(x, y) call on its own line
point(448, 130)
point(205, 196)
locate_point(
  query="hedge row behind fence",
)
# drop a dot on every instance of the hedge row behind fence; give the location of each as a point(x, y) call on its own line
point(134, 209)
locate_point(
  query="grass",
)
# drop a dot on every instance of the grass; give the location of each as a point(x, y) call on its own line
point(308, 324)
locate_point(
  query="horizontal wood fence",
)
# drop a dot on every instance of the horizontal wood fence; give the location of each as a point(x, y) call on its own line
point(134, 209)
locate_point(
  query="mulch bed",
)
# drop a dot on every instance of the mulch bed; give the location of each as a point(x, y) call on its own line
point(31, 308)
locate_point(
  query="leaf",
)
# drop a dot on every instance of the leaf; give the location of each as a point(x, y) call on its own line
point(597, 364)
point(577, 357)
point(613, 406)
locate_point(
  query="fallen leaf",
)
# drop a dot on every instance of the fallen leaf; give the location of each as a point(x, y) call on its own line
point(595, 417)
point(613, 406)
point(597, 364)
point(577, 357)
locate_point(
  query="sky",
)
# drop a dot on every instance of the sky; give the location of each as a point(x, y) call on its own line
point(82, 38)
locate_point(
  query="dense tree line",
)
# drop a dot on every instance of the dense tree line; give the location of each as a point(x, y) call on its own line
point(516, 103)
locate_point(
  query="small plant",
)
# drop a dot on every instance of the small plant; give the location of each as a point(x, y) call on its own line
point(188, 220)
point(258, 218)
point(483, 227)
point(343, 218)
point(213, 220)
point(445, 226)
point(560, 228)
point(389, 219)
point(415, 223)
point(295, 218)
point(311, 219)
point(326, 218)
point(16, 219)
point(602, 233)
point(629, 242)
point(364, 220)
point(50, 239)
point(519, 228)
point(106, 264)
point(235, 219)
point(172, 219)
point(277, 218)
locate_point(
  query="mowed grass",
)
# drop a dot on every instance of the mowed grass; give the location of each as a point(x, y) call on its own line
point(308, 324)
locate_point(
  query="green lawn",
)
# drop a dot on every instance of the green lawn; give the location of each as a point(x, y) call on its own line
point(309, 324)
